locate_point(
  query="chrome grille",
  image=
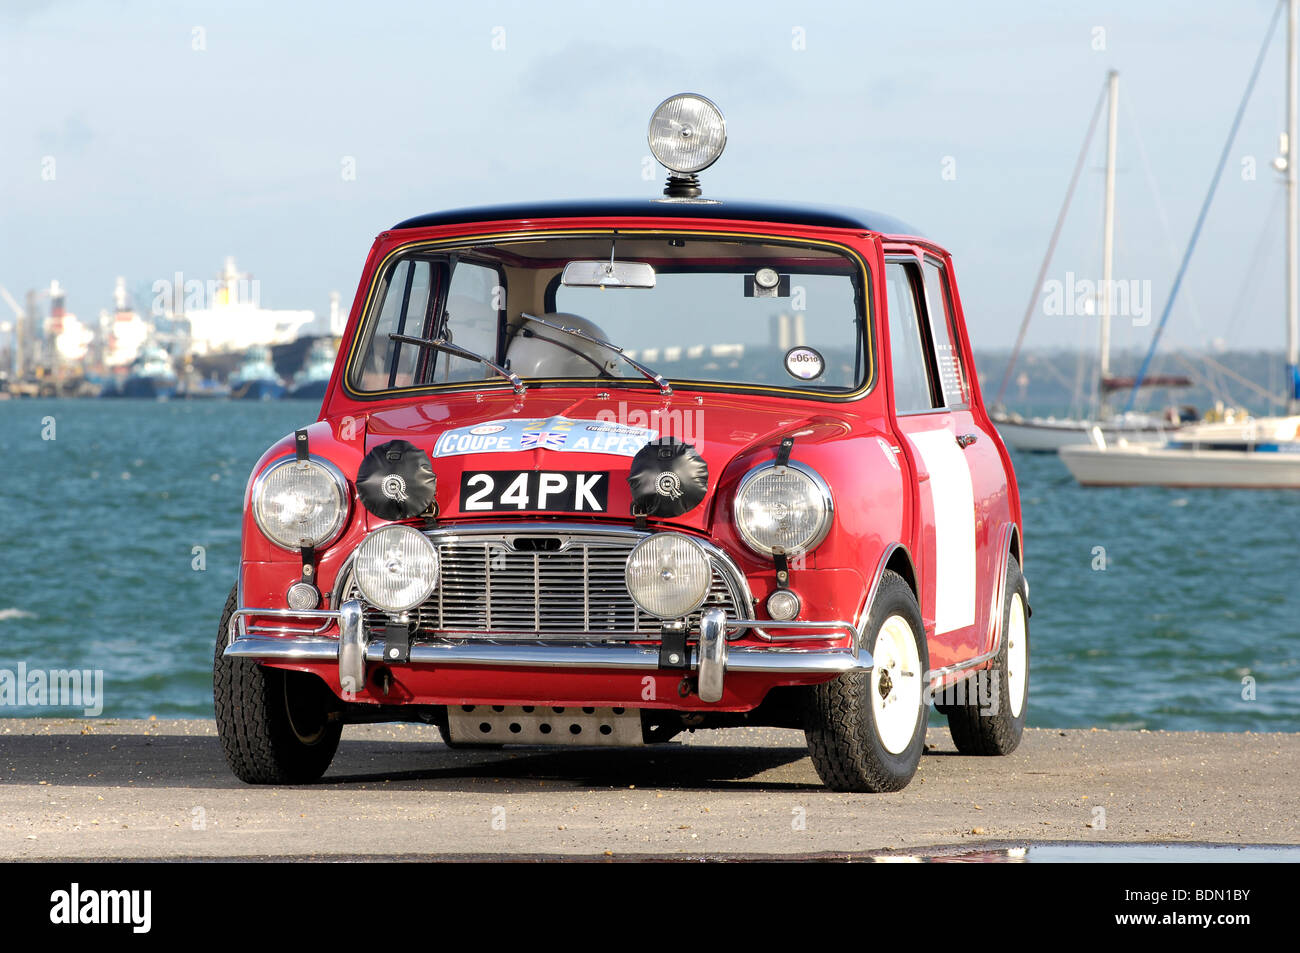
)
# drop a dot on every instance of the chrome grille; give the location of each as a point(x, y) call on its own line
point(555, 585)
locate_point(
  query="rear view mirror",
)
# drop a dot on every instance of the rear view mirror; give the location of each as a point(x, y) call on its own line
point(609, 274)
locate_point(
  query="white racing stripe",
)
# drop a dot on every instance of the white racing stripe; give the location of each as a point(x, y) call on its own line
point(954, 528)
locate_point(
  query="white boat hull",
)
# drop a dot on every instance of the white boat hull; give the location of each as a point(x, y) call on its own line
point(1039, 435)
point(1163, 466)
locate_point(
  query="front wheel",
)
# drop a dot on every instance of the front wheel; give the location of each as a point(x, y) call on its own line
point(276, 727)
point(866, 730)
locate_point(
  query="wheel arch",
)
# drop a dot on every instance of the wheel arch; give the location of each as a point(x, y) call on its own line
point(1008, 546)
point(894, 557)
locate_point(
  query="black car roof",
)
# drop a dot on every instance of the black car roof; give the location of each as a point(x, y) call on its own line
point(819, 215)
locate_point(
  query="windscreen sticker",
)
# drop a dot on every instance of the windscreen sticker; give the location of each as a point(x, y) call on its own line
point(804, 363)
point(560, 434)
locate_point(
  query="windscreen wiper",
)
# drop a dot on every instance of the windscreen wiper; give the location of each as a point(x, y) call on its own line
point(664, 388)
point(446, 347)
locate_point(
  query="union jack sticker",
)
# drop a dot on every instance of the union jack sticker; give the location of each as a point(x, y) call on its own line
point(542, 440)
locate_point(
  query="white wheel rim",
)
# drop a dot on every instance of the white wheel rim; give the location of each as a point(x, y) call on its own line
point(896, 684)
point(1017, 656)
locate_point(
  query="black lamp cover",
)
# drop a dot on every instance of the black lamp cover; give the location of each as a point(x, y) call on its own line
point(667, 478)
point(395, 481)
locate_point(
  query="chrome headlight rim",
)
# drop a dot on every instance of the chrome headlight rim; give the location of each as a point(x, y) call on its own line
point(355, 574)
point(655, 539)
point(828, 509)
point(344, 497)
point(662, 154)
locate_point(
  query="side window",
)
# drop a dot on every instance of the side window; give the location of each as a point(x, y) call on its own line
point(906, 345)
point(475, 298)
point(385, 363)
point(952, 378)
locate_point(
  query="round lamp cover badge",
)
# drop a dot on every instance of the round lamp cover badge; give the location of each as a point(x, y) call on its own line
point(805, 363)
point(394, 487)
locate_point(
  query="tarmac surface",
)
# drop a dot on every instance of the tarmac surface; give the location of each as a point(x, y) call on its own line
point(119, 789)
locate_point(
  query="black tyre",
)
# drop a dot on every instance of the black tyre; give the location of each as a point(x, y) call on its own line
point(463, 745)
point(276, 727)
point(866, 730)
point(987, 715)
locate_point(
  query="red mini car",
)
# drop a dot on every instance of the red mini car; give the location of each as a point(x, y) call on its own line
point(600, 472)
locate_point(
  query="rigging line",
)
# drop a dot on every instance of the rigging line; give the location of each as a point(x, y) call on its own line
point(1257, 258)
point(1083, 370)
point(1158, 202)
point(1242, 379)
point(1088, 364)
point(1046, 362)
point(1135, 127)
point(1200, 376)
point(1051, 247)
point(1205, 208)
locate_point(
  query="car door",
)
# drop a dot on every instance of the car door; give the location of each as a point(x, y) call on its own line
point(935, 425)
point(979, 447)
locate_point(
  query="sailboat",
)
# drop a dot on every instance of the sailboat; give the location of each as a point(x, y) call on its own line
point(1264, 454)
point(1257, 452)
point(1050, 434)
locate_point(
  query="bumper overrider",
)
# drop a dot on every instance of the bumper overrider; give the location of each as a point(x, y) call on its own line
point(711, 657)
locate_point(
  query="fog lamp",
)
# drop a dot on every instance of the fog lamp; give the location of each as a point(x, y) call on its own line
point(668, 575)
point(396, 568)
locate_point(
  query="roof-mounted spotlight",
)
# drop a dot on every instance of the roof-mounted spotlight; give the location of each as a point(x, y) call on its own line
point(687, 134)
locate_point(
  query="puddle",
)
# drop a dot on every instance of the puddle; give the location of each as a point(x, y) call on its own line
point(1079, 853)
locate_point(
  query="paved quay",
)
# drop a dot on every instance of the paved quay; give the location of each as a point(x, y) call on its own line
point(135, 789)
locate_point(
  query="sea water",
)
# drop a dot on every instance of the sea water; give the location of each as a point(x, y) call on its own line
point(119, 542)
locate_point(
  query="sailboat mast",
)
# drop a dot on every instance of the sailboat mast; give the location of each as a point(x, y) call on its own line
point(1292, 236)
point(1108, 230)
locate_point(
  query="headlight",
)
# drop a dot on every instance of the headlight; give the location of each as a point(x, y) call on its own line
point(396, 568)
point(668, 575)
point(299, 503)
point(783, 509)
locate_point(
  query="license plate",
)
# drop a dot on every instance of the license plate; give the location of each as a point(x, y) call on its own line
point(534, 491)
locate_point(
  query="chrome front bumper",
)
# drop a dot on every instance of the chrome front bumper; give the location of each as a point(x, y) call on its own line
point(711, 660)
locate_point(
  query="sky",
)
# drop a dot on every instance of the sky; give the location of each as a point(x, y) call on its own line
point(143, 138)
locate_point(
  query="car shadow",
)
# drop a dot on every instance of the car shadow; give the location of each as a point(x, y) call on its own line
point(140, 761)
point(171, 760)
point(669, 766)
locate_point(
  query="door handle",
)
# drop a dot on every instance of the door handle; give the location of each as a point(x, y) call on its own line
point(964, 440)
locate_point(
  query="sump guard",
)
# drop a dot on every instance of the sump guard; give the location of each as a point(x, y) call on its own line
point(538, 725)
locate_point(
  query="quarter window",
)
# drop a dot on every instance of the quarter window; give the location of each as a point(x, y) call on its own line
point(952, 379)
